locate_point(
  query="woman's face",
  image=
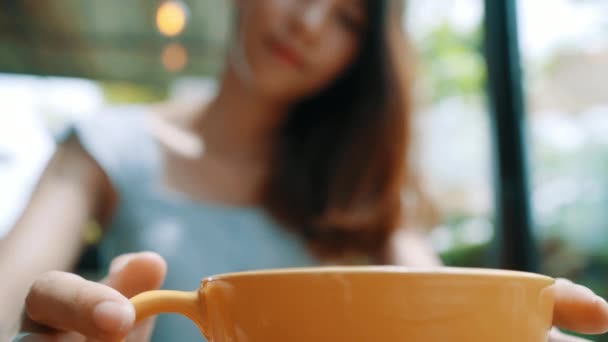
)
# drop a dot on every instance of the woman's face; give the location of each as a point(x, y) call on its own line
point(289, 49)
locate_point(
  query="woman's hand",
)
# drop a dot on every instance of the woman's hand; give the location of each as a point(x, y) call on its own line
point(578, 309)
point(71, 308)
point(68, 306)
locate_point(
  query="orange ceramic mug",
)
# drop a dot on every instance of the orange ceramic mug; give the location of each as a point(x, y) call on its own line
point(363, 304)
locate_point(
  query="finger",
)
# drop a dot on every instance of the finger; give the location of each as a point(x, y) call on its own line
point(132, 274)
point(68, 302)
point(558, 336)
point(578, 309)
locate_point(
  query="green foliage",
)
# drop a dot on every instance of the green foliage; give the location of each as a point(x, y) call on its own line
point(122, 93)
point(452, 63)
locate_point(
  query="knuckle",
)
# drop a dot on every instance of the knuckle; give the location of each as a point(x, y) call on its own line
point(42, 290)
point(81, 296)
point(37, 291)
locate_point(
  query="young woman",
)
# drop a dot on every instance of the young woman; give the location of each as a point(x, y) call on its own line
point(299, 160)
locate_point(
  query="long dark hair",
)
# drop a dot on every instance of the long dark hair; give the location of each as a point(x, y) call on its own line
point(340, 162)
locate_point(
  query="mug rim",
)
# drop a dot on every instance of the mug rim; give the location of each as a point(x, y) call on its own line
point(470, 272)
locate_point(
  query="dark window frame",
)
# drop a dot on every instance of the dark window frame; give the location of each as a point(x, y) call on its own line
point(515, 247)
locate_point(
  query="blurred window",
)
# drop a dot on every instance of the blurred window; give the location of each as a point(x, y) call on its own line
point(566, 68)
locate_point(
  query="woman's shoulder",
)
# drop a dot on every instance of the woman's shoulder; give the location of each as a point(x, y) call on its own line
point(105, 123)
point(115, 138)
point(126, 141)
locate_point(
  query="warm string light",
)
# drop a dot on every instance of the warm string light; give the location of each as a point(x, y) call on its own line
point(171, 19)
point(174, 57)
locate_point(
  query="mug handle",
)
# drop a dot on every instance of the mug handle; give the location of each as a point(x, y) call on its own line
point(189, 304)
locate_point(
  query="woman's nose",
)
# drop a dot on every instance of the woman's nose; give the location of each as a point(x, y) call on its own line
point(309, 19)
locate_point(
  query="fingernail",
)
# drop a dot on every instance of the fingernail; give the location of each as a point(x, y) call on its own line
point(119, 263)
point(113, 317)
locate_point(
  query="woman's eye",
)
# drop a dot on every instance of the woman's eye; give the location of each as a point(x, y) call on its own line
point(349, 21)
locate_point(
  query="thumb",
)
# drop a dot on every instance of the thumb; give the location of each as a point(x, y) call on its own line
point(132, 274)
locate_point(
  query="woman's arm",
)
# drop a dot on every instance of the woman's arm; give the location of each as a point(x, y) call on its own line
point(48, 234)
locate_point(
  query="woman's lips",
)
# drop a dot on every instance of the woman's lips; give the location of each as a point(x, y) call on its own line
point(286, 54)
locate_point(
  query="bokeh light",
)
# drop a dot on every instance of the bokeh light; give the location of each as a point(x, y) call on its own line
point(174, 57)
point(171, 17)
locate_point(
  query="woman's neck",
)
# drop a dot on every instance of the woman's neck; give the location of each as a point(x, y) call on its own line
point(239, 124)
